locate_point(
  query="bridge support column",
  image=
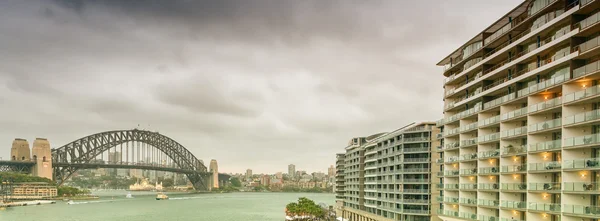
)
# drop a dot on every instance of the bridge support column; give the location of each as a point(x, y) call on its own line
point(42, 156)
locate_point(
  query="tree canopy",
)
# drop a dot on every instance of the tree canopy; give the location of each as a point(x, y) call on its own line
point(305, 207)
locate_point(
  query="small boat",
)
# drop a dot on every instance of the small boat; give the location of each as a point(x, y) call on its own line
point(129, 196)
point(162, 196)
point(70, 202)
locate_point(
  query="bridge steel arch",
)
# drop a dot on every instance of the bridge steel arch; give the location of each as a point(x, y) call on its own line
point(71, 157)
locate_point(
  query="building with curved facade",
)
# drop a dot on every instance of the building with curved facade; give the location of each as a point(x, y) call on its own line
point(521, 126)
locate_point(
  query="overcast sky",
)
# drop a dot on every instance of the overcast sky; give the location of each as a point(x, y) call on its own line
point(253, 84)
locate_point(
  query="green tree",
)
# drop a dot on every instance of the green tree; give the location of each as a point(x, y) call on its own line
point(305, 207)
point(235, 182)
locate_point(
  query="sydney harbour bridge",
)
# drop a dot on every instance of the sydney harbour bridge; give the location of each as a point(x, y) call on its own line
point(122, 149)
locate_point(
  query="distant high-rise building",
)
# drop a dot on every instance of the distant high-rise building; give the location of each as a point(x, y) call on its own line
point(331, 171)
point(214, 169)
point(113, 158)
point(292, 170)
point(248, 174)
point(265, 180)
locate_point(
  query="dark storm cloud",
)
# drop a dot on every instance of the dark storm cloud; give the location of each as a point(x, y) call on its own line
point(244, 82)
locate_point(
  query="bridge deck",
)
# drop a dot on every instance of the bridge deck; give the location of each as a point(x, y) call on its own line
point(126, 166)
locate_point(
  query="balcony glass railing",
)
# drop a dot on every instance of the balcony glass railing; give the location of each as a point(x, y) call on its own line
point(486, 202)
point(468, 127)
point(451, 159)
point(582, 94)
point(451, 173)
point(581, 187)
point(468, 201)
point(488, 138)
point(513, 168)
point(582, 140)
point(488, 170)
point(582, 117)
point(468, 171)
point(462, 114)
point(448, 213)
point(510, 149)
point(450, 200)
point(544, 186)
point(488, 186)
point(451, 132)
point(489, 121)
point(469, 156)
point(499, 100)
point(548, 145)
point(453, 186)
point(554, 165)
point(548, 207)
point(514, 132)
point(514, 114)
point(582, 163)
point(468, 186)
point(514, 186)
point(546, 125)
point(452, 145)
point(563, 75)
point(488, 218)
point(468, 142)
point(467, 216)
point(586, 210)
point(555, 102)
point(488, 154)
point(513, 204)
point(589, 21)
point(588, 68)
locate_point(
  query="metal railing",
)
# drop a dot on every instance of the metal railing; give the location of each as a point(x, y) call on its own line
point(514, 186)
point(514, 132)
point(514, 114)
point(548, 207)
point(513, 204)
point(581, 163)
point(587, 210)
point(581, 187)
point(555, 102)
point(582, 94)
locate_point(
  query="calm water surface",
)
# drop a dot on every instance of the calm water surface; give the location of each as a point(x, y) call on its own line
point(199, 207)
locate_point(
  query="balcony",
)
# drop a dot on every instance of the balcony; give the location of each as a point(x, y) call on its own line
point(468, 142)
point(519, 131)
point(490, 121)
point(581, 187)
point(581, 118)
point(582, 210)
point(545, 105)
point(522, 112)
point(556, 80)
point(544, 207)
point(488, 170)
point(582, 140)
point(467, 216)
point(467, 157)
point(514, 168)
point(448, 213)
point(451, 159)
point(452, 186)
point(486, 202)
point(468, 186)
point(512, 150)
point(547, 166)
point(583, 94)
point(416, 160)
point(588, 68)
point(546, 125)
point(450, 200)
point(545, 146)
point(589, 163)
point(453, 145)
point(488, 154)
point(509, 187)
point(544, 186)
point(488, 218)
point(513, 205)
point(488, 138)
point(416, 139)
point(487, 186)
point(467, 201)
point(464, 172)
point(451, 132)
point(469, 127)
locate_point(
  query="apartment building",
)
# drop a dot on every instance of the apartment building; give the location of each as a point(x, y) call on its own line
point(521, 126)
point(388, 176)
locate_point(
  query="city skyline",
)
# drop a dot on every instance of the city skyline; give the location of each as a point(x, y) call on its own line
point(223, 79)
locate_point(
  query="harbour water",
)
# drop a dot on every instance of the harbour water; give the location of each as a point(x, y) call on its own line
point(113, 205)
